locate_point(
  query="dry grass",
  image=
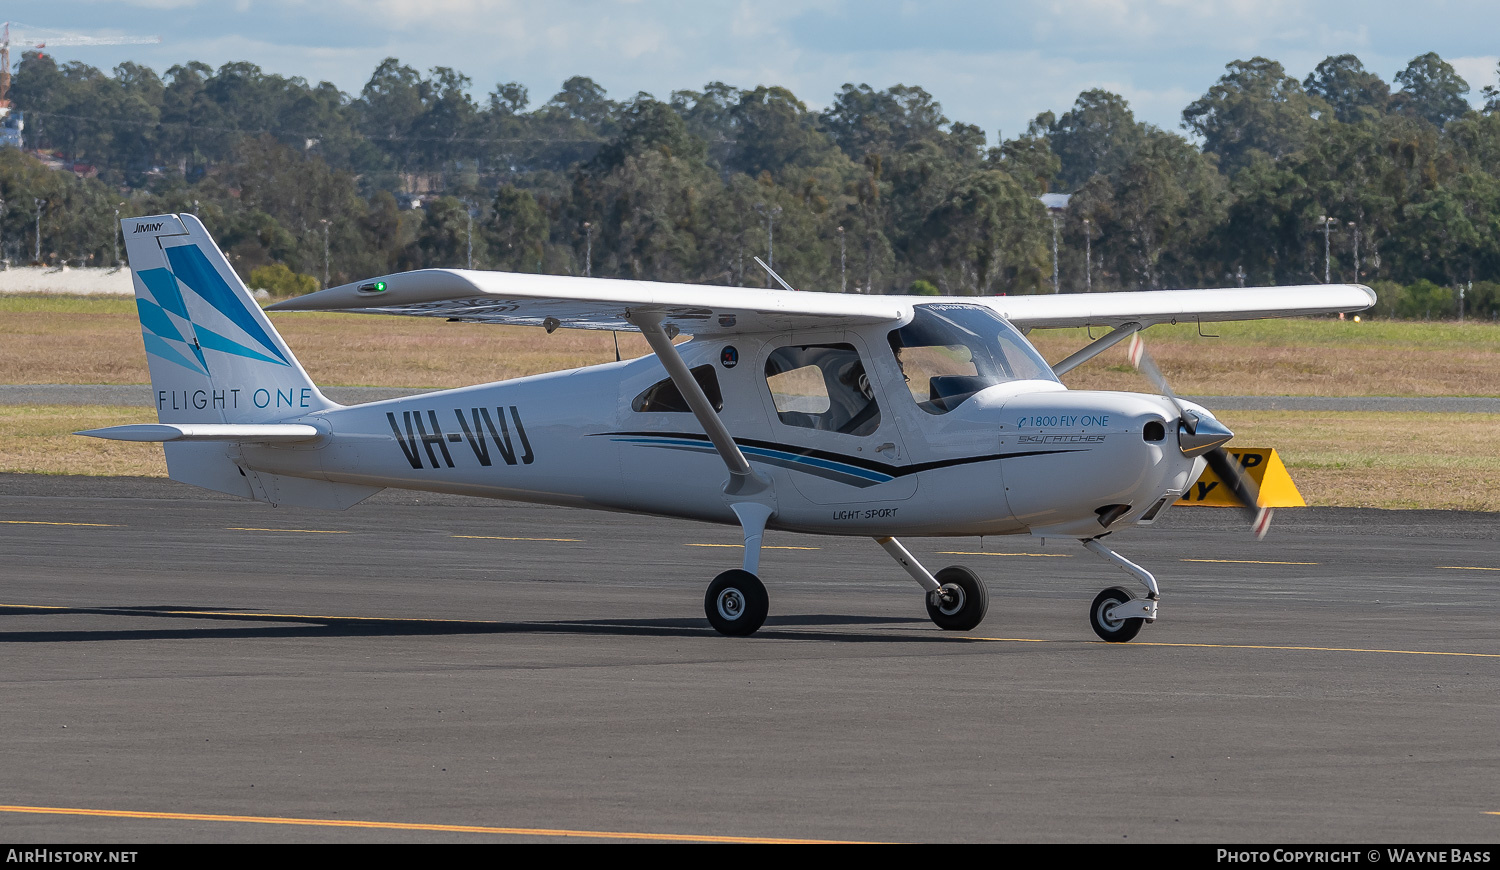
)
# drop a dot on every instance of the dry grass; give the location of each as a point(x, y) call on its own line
point(93, 340)
point(81, 340)
point(38, 439)
point(1348, 459)
point(1300, 358)
point(1382, 460)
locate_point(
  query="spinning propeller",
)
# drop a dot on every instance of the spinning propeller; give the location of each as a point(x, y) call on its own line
point(1206, 437)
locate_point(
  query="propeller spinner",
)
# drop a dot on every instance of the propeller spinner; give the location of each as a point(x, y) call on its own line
point(1206, 437)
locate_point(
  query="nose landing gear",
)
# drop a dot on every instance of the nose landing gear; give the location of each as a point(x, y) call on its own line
point(1115, 615)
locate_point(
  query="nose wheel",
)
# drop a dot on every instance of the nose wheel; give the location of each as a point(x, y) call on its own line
point(1106, 620)
point(736, 603)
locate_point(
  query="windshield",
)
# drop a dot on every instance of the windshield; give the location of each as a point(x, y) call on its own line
point(950, 351)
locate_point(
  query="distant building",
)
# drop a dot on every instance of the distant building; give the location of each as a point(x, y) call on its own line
point(12, 123)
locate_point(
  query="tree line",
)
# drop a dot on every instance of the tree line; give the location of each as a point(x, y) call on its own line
point(1339, 176)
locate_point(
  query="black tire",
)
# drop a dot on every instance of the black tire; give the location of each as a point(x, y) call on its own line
point(973, 599)
point(1114, 631)
point(736, 603)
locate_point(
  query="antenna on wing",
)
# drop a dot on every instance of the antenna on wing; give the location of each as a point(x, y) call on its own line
point(772, 273)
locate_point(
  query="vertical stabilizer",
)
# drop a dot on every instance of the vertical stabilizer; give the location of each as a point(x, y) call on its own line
point(214, 356)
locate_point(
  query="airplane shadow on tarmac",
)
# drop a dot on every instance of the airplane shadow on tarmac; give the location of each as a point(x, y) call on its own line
point(297, 626)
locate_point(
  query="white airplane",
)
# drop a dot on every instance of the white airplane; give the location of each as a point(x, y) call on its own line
point(874, 416)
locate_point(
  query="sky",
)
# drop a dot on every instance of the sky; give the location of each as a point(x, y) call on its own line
point(992, 64)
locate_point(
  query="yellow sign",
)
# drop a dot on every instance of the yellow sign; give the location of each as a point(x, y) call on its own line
point(1263, 466)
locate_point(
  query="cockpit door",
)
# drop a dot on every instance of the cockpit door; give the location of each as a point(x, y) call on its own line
point(830, 428)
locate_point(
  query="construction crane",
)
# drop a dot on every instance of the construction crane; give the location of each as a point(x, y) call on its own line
point(40, 37)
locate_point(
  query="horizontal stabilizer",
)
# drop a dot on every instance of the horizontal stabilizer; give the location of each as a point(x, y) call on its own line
point(259, 433)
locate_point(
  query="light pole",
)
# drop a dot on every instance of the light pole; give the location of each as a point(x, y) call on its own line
point(115, 235)
point(324, 222)
point(1056, 205)
point(1327, 251)
point(1354, 226)
point(469, 210)
point(1055, 287)
point(588, 249)
point(770, 214)
point(843, 285)
point(40, 204)
point(3, 262)
point(1088, 257)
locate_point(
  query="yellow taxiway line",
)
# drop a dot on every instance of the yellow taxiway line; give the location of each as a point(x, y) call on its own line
point(405, 826)
point(41, 523)
point(1464, 568)
point(742, 546)
point(499, 538)
point(1408, 652)
point(1031, 555)
point(1246, 562)
point(250, 615)
point(297, 531)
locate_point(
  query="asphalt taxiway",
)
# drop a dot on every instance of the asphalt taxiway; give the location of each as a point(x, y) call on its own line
point(183, 667)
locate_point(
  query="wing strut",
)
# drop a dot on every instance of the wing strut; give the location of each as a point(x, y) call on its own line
point(750, 496)
point(744, 480)
point(1098, 346)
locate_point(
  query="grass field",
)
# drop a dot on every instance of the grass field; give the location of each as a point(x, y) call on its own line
point(97, 340)
point(1348, 459)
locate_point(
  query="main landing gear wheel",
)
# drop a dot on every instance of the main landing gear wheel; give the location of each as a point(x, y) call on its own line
point(1113, 630)
point(736, 603)
point(961, 602)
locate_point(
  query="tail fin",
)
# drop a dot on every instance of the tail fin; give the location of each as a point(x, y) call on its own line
point(222, 379)
point(214, 356)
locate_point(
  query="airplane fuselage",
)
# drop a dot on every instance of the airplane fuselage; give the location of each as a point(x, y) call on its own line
point(1028, 456)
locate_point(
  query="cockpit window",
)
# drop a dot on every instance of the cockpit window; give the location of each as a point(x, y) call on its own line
point(822, 386)
point(950, 351)
point(663, 396)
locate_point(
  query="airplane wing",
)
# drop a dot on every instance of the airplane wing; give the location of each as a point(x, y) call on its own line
point(556, 301)
point(1173, 306)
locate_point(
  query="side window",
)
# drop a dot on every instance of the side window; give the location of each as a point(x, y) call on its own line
point(822, 386)
point(663, 396)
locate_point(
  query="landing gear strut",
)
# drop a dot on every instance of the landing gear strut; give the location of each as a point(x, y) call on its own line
point(956, 598)
point(1115, 615)
point(736, 603)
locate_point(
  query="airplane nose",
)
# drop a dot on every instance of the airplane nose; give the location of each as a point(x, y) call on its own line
point(1196, 435)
